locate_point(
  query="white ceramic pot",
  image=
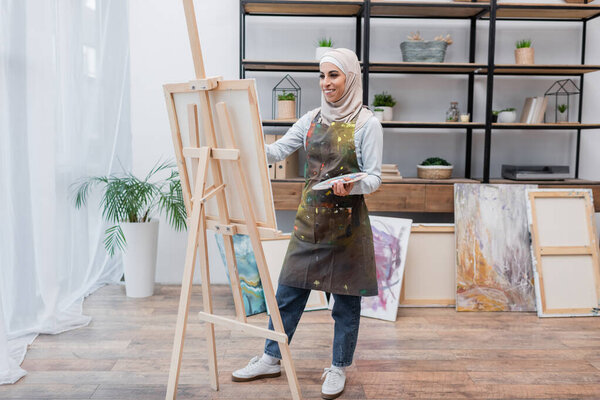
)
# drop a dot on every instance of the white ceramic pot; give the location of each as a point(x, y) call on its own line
point(507, 117)
point(378, 115)
point(320, 51)
point(139, 258)
point(388, 113)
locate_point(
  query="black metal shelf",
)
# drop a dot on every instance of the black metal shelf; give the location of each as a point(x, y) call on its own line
point(471, 11)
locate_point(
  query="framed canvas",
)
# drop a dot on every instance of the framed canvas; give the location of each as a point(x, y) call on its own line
point(429, 273)
point(565, 251)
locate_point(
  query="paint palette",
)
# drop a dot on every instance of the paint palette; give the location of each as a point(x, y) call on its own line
point(348, 178)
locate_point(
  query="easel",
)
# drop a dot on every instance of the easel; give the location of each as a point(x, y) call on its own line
point(214, 157)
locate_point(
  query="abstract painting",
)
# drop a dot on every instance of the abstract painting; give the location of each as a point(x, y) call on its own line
point(390, 239)
point(493, 258)
point(252, 291)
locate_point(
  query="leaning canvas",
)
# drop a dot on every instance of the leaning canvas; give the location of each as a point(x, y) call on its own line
point(390, 239)
point(565, 252)
point(493, 259)
point(252, 291)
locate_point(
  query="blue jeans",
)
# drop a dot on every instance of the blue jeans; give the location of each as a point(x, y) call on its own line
point(346, 313)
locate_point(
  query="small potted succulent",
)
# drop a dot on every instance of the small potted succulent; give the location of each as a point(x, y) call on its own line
point(323, 46)
point(562, 116)
point(416, 49)
point(378, 112)
point(524, 53)
point(507, 115)
point(434, 168)
point(286, 106)
point(385, 102)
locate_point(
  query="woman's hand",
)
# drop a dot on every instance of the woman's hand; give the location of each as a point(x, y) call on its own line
point(342, 189)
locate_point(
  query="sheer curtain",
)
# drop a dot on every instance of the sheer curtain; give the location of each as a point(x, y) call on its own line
point(64, 114)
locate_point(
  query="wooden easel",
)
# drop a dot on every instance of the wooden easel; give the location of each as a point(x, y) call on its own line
point(214, 157)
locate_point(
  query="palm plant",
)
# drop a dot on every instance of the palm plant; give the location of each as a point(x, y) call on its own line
point(127, 198)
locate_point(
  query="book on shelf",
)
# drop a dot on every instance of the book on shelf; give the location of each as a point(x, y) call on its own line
point(534, 110)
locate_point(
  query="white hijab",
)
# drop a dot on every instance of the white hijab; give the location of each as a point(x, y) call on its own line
point(350, 105)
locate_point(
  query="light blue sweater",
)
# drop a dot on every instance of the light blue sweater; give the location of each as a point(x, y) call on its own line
point(369, 147)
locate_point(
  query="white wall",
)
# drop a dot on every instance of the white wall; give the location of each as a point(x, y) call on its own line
point(160, 54)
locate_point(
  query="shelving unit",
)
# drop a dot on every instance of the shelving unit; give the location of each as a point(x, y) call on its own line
point(415, 194)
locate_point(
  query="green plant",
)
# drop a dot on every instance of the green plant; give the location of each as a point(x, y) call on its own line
point(435, 161)
point(384, 100)
point(508, 109)
point(562, 108)
point(496, 112)
point(325, 42)
point(127, 198)
point(286, 96)
point(522, 44)
point(378, 109)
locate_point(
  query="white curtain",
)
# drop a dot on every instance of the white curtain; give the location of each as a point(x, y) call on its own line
point(64, 114)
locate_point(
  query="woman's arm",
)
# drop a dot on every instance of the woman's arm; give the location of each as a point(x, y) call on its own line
point(290, 142)
point(371, 153)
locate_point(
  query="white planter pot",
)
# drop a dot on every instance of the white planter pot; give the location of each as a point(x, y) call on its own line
point(562, 118)
point(139, 258)
point(320, 51)
point(378, 115)
point(388, 113)
point(507, 117)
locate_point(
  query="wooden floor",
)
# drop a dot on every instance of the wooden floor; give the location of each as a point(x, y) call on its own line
point(427, 354)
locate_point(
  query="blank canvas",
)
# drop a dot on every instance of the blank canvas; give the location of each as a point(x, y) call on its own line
point(274, 254)
point(565, 252)
point(429, 276)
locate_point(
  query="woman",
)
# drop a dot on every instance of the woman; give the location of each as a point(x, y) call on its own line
point(331, 248)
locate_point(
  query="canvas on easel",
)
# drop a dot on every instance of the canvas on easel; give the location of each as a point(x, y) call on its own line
point(565, 252)
point(219, 146)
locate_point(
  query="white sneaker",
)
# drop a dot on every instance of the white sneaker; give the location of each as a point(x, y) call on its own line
point(335, 380)
point(256, 369)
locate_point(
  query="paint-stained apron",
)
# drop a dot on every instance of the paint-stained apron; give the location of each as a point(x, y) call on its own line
point(331, 248)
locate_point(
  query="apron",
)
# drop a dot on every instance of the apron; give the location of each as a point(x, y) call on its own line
point(331, 248)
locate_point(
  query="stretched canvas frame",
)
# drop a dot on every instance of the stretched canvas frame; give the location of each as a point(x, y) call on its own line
point(565, 252)
point(430, 276)
point(275, 250)
point(239, 95)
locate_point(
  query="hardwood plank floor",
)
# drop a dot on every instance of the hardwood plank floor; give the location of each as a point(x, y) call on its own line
point(124, 354)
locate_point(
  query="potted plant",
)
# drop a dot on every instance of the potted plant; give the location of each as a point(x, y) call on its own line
point(286, 106)
point(378, 112)
point(130, 203)
point(507, 115)
point(495, 115)
point(434, 168)
point(563, 115)
point(416, 49)
point(385, 102)
point(524, 52)
point(323, 46)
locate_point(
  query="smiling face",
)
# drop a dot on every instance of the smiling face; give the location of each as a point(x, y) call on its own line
point(333, 82)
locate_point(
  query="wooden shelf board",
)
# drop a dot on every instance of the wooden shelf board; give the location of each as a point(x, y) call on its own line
point(571, 125)
point(271, 65)
point(546, 69)
point(442, 125)
point(534, 11)
point(402, 67)
point(416, 9)
point(347, 8)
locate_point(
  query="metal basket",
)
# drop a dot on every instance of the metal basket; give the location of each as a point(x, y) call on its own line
point(423, 51)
